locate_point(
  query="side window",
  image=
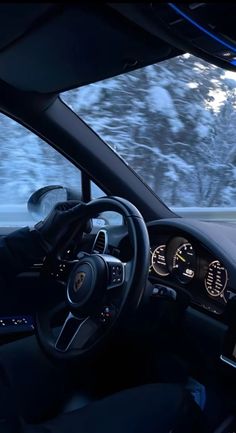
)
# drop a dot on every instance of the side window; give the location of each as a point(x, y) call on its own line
point(27, 163)
point(96, 192)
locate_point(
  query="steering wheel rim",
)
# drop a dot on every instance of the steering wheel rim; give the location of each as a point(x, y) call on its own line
point(83, 318)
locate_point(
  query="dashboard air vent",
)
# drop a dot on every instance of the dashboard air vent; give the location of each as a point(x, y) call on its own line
point(100, 243)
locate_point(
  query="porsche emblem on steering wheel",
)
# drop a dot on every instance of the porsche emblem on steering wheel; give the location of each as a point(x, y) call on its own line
point(79, 279)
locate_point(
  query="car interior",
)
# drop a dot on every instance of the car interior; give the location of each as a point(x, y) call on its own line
point(175, 316)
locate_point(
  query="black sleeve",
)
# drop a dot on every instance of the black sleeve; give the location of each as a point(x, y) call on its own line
point(19, 250)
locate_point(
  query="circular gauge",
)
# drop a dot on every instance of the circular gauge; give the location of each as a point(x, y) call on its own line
point(216, 278)
point(159, 261)
point(184, 263)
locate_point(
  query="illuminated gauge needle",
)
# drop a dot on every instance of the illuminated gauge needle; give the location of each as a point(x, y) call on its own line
point(180, 257)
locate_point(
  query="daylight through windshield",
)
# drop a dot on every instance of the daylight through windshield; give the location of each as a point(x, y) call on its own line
point(174, 124)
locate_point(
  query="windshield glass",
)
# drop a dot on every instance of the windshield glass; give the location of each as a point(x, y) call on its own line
point(174, 124)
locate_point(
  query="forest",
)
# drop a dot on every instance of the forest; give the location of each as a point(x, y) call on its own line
point(172, 122)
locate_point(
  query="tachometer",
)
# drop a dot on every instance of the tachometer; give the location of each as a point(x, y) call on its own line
point(184, 263)
point(216, 279)
point(159, 261)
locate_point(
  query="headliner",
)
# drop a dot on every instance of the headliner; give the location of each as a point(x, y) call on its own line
point(49, 48)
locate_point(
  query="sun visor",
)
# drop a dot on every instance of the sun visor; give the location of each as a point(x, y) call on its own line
point(18, 18)
point(79, 46)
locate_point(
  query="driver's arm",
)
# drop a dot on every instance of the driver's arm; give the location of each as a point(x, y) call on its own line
point(22, 248)
point(19, 250)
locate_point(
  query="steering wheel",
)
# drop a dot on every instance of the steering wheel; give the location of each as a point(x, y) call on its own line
point(100, 288)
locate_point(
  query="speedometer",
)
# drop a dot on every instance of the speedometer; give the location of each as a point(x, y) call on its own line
point(216, 278)
point(184, 263)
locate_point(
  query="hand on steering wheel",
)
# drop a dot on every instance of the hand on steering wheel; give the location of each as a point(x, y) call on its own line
point(58, 223)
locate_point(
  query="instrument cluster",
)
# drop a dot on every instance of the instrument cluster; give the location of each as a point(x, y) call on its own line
point(181, 262)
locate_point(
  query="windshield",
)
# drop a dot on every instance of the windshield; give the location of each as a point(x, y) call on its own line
point(174, 124)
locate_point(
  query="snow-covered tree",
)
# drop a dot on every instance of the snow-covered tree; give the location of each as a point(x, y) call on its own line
point(162, 119)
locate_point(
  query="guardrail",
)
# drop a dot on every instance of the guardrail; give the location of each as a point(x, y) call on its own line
point(207, 213)
point(15, 216)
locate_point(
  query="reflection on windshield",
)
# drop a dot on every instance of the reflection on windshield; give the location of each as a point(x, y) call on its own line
point(174, 123)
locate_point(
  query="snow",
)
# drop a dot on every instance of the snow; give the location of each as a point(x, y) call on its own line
point(218, 97)
point(202, 130)
point(200, 65)
point(87, 98)
point(193, 85)
point(173, 123)
point(230, 74)
point(159, 100)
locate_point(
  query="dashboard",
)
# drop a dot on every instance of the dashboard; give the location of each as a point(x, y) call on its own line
point(182, 262)
point(196, 257)
point(187, 255)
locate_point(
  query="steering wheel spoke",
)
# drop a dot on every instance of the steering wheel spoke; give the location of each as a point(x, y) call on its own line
point(57, 268)
point(76, 333)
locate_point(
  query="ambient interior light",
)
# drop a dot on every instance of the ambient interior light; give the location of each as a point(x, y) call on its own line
point(204, 30)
